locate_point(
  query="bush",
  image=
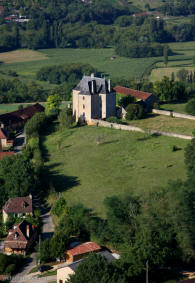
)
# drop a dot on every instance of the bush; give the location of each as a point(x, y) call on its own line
point(65, 118)
point(190, 107)
point(156, 105)
point(114, 120)
point(134, 112)
point(34, 125)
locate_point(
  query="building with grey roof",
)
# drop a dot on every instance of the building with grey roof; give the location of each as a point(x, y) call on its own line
point(94, 98)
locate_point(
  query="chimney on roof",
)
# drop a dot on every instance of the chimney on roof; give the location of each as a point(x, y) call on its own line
point(2, 126)
point(93, 87)
point(30, 196)
point(92, 75)
point(110, 85)
point(28, 231)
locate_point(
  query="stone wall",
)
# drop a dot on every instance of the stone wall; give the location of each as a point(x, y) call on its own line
point(173, 114)
point(136, 129)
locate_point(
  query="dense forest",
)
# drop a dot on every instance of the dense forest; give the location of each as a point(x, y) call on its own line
point(98, 24)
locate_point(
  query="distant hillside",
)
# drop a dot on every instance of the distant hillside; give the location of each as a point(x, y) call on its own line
point(141, 4)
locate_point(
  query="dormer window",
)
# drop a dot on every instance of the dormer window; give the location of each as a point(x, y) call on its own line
point(16, 235)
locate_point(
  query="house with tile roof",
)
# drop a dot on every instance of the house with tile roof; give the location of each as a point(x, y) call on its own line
point(147, 98)
point(93, 98)
point(64, 272)
point(20, 239)
point(19, 207)
point(81, 251)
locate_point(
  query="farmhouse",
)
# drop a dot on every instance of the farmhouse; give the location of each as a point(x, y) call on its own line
point(64, 272)
point(146, 98)
point(20, 238)
point(94, 98)
point(80, 251)
point(19, 206)
point(15, 121)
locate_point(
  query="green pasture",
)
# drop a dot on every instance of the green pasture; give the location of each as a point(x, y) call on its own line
point(88, 172)
point(141, 3)
point(176, 107)
point(166, 124)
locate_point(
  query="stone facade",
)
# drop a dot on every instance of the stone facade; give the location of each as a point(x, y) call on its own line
point(94, 98)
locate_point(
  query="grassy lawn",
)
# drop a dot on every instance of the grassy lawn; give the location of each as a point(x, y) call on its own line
point(49, 273)
point(124, 162)
point(178, 107)
point(166, 124)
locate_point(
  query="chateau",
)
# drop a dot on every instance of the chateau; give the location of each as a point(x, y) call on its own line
point(94, 98)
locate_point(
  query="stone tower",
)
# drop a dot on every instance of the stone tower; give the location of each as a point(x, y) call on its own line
point(94, 98)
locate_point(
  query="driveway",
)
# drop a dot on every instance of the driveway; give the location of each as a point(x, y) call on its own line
point(19, 142)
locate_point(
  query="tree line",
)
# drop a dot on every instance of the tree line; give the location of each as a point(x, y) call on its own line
point(96, 25)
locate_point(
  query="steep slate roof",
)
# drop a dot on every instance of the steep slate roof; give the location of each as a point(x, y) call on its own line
point(84, 248)
point(6, 153)
point(21, 114)
point(22, 239)
point(85, 85)
point(18, 205)
point(132, 92)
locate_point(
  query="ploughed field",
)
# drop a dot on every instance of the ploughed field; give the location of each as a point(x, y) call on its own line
point(89, 164)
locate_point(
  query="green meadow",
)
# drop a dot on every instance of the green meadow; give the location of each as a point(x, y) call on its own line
point(121, 162)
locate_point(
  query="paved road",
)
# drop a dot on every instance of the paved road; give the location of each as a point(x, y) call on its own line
point(47, 231)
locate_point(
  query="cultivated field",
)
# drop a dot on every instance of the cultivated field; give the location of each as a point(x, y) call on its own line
point(99, 58)
point(21, 56)
point(123, 162)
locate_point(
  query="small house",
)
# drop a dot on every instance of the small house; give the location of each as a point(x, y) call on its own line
point(19, 207)
point(20, 238)
point(80, 251)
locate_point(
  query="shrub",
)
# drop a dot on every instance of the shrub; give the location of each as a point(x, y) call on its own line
point(114, 120)
point(134, 112)
point(156, 105)
point(65, 118)
point(190, 107)
point(34, 125)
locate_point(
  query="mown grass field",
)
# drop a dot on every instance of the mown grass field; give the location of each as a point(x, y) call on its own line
point(166, 124)
point(183, 59)
point(177, 107)
point(141, 3)
point(123, 162)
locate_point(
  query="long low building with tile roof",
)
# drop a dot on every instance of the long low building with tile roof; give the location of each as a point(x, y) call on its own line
point(147, 97)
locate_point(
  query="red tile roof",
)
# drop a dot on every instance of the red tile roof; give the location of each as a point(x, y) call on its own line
point(132, 92)
point(84, 248)
point(21, 115)
point(21, 239)
point(18, 205)
point(6, 153)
